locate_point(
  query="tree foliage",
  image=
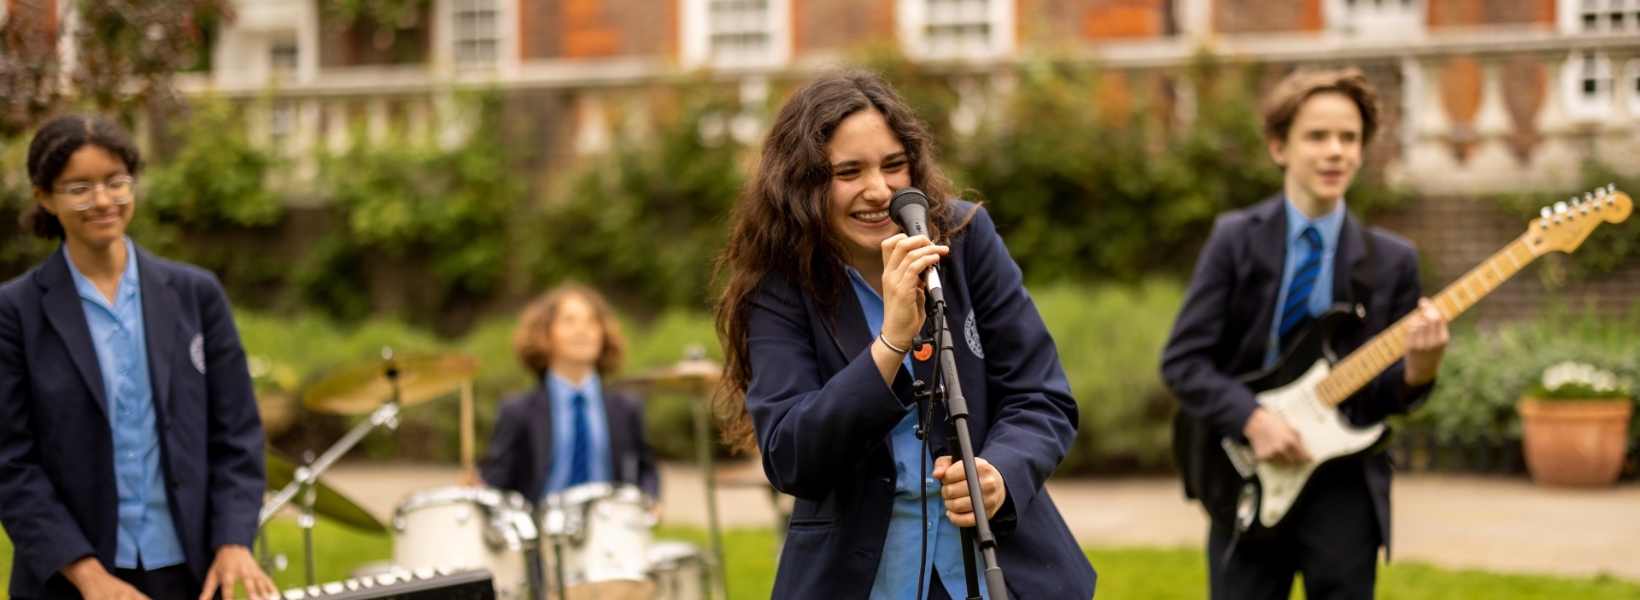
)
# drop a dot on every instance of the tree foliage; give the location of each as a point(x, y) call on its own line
point(646, 220)
point(124, 55)
point(129, 50)
point(448, 209)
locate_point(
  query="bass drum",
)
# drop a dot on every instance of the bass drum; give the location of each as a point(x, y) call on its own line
point(602, 532)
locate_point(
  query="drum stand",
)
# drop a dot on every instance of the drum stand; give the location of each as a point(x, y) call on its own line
point(554, 527)
point(304, 484)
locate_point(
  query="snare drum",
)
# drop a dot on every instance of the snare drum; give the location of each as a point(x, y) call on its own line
point(679, 571)
point(467, 528)
point(603, 534)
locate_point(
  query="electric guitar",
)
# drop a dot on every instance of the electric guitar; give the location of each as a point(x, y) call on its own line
point(1306, 385)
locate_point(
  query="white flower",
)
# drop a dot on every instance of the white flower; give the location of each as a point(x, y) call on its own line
point(1570, 372)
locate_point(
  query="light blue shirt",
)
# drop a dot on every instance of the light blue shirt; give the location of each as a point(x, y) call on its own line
point(147, 536)
point(1329, 226)
point(563, 430)
point(897, 572)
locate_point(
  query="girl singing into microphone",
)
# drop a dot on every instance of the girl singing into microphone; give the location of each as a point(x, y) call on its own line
point(822, 306)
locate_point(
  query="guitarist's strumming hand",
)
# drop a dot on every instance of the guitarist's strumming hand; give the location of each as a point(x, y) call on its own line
point(1426, 343)
point(1273, 440)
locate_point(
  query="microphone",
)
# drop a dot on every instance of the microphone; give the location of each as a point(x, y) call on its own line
point(909, 209)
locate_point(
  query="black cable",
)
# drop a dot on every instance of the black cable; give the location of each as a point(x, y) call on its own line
point(925, 419)
point(938, 388)
point(922, 485)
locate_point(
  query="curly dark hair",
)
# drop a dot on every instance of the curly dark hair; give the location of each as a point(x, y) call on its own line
point(779, 223)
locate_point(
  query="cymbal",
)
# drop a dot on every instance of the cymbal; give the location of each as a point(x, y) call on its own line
point(327, 502)
point(691, 376)
point(363, 388)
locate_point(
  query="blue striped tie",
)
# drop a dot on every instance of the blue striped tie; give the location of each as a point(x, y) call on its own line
point(1296, 311)
point(580, 466)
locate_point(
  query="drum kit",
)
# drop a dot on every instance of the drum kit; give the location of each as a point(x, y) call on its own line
point(588, 542)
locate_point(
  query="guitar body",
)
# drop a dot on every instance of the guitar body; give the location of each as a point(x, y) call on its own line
point(1288, 390)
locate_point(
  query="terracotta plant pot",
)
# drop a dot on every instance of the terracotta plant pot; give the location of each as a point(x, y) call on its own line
point(1574, 443)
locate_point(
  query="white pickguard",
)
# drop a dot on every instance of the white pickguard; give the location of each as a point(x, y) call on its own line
point(1325, 434)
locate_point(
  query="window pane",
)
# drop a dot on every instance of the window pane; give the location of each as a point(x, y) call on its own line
point(738, 28)
point(282, 57)
point(475, 32)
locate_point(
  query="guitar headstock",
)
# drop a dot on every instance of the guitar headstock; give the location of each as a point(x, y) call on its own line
point(1565, 225)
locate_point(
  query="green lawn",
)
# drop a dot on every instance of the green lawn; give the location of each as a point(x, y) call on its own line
point(1125, 574)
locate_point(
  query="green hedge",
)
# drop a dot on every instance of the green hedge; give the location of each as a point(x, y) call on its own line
point(1109, 339)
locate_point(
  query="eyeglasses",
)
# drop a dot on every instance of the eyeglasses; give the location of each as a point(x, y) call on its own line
point(82, 195)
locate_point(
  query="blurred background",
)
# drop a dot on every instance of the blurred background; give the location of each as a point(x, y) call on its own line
point(362, 173)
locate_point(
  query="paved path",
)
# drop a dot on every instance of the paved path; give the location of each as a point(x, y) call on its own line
point(1455, 522)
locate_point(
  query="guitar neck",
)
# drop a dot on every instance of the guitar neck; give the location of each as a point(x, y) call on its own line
point(1367, 362)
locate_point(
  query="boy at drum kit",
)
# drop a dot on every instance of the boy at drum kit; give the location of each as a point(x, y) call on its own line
point(571, 444)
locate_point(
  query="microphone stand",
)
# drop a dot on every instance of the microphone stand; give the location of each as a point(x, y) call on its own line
point(949, 390)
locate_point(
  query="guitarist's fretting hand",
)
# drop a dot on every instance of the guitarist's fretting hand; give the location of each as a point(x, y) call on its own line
point(1273, 440)
point(1426, 343)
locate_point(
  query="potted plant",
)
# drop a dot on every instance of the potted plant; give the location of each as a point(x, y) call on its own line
point(1575, 426)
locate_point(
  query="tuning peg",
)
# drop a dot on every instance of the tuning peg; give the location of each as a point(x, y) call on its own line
point(1560, 208)
point(1611, 188)
point(1545, 212)
point(1574, 201)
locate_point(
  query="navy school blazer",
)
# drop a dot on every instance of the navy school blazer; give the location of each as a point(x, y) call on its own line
point(520, 454)
point(58, 501)
point(1223, 327)
point(823, 417)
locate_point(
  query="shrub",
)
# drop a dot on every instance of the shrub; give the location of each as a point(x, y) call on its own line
point(1110, 340)
point(1487, 369)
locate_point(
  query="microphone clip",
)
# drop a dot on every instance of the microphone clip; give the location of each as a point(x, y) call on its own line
point(923, 395)
point(922, 347)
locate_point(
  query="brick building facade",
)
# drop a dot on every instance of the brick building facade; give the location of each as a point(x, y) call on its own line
point(1483, 96)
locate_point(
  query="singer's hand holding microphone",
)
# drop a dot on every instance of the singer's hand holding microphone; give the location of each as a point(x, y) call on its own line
point(906, 257)
point(907, 263)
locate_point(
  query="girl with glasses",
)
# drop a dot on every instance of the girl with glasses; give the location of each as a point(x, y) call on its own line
point(130, 445)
